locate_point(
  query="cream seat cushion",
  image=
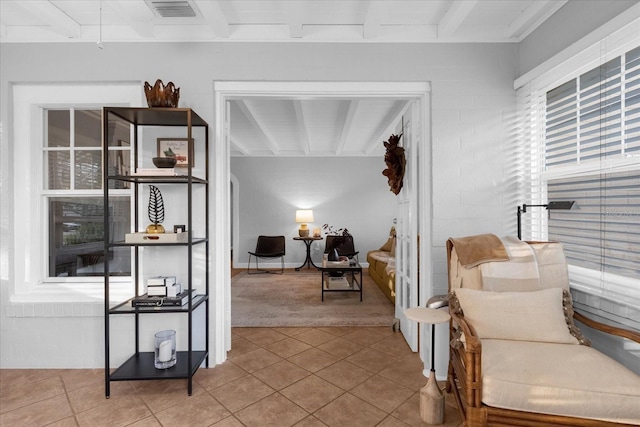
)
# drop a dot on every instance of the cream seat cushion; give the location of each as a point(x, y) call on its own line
point(561, 379)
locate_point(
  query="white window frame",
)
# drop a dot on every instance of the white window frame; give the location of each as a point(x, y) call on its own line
point(616, 290)
point(30, 256)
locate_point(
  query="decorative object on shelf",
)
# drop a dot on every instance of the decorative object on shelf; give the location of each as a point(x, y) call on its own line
point(160, 238)
point(175, 148)
point(165, 162)
point(304, 216)
point(155, 211)
point(396, 163)
point(317, 232)
point(179, 228)
point(165, 349)
point(161, 95)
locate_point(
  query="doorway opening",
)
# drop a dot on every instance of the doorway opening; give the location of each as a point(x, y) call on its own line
point(225, 238)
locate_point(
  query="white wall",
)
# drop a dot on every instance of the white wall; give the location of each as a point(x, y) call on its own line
point(472, 108)
point(572, 22)
point(344, 192)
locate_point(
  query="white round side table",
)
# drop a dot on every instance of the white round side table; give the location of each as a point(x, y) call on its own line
point(431, 396)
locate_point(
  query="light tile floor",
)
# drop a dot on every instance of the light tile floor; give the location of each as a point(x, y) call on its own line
point(340, 376)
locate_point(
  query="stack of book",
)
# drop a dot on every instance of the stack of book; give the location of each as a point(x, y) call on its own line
point(163, 286)
point(337, 283)
point(159, 301)
point(155, 172)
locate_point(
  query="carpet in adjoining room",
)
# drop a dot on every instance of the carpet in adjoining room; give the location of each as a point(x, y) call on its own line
point(294, 299)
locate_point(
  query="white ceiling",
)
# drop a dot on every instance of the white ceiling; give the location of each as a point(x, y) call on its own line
point(283, 126)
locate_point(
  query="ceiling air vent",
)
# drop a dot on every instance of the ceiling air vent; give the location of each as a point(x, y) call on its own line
point(172, 8)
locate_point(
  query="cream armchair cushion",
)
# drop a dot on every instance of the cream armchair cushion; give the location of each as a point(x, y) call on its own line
point(558, 379)
point(521, 316)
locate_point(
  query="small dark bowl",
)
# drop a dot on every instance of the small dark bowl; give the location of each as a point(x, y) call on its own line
point(164, 162)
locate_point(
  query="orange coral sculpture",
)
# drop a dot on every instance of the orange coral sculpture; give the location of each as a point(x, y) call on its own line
point(396, 163)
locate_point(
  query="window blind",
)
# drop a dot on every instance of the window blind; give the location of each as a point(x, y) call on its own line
point(594, 120)
point(602, 231)
point(632, 102)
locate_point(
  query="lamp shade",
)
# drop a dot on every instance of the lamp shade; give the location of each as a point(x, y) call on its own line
point(304, 216)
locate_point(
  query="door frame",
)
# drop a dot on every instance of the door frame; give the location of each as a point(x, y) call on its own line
point(220, 288)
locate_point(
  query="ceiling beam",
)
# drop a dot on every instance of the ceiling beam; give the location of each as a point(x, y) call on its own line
point(238, 146)
point(388, 124)
point(254, 118)
point(137, 15)
point(302, 126)
point(214, 16)
point(531, 17)
point(376, 9)
point(455, 16)
point(295, 11)
point(59, 22)
point(347, 125)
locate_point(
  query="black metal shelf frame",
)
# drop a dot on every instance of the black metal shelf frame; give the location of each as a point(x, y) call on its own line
point(140, 365)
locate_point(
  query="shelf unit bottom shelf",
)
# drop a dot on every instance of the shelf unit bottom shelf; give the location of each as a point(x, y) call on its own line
point(140, 367)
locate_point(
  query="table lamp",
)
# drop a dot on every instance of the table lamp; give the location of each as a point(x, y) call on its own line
point(304, 216)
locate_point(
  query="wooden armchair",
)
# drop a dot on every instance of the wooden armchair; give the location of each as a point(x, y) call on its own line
point(527, 378)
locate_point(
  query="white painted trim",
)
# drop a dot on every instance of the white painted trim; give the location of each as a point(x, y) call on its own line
point(618, 289)
point(235, 223)
point(220, 320)
point(29, 255)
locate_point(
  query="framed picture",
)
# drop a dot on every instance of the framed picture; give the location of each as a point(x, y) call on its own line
point(178, 147)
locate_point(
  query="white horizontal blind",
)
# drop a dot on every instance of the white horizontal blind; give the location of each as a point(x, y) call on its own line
point(602, 231)
point(530, 157)
point(599, 112)
point(562, 125)
point(632, 102)
point(593, 120)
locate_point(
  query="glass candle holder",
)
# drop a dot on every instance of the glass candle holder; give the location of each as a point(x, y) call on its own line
point(165, 349)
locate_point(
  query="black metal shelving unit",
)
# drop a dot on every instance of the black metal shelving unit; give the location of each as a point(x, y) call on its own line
point(140, 366)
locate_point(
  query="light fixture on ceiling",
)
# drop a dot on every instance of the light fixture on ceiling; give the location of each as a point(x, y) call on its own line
point(558, 205)
point(304, 216)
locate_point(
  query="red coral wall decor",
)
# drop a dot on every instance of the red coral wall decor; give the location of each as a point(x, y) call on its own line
point(396, 163)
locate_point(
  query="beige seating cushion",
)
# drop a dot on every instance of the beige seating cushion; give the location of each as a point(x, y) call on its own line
point(523, 316)
point(381, 256)
point(552, 265)
point(560, 379)
point(389, 245)
point(518, 273)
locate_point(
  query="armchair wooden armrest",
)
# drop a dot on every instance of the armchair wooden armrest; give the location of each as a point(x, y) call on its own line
point(465, 365)
point(609, 329)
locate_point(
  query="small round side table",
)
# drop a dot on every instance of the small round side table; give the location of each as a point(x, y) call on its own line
point(431, 396)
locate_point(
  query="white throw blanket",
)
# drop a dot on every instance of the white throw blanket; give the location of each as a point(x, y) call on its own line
point(519, 273)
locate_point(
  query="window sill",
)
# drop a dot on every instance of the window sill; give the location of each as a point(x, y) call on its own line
point(65, 300)
point(615, 300)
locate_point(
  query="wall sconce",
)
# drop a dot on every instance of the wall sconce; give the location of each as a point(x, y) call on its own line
point(304, 216)
point(563, 205)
